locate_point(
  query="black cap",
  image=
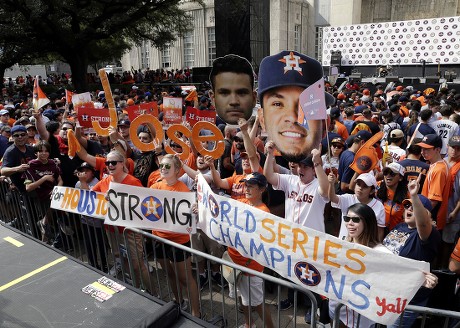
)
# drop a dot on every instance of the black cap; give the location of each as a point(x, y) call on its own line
point(124, 122)
point(308, 161)
point(256, 178)
point(85, 165)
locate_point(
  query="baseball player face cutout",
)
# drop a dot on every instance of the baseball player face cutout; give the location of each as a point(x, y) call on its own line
point(282, 78)
point(233, 96)
point(278, 117)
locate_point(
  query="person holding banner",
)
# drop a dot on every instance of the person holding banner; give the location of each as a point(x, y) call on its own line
point(173, 260)
point(415, 238)
point(118, 172)
point(361, 225)
point(251, 288)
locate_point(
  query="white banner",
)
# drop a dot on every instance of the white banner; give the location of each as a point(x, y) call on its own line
point(80, 201)
point(146, 208)
point(375, 284)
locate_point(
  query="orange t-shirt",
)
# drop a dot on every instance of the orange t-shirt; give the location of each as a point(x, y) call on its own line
point(437, 187)
point(393, 211)
point(153, 177)
point(102, 168)
point(236, 186)
point(456, 253)
point(103, 186)
point(240, 259)
point(179, 186)
point(342, 130)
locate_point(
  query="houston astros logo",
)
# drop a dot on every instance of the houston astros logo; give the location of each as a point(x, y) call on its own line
point(307, 274)
point(152, 208)
point(364, 163)
point(292, 63)
point(213, 206)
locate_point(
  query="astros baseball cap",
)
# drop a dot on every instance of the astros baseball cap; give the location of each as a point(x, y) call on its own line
point(368, 178)
point(124, 123)
point(255, 178)
point(289, 68)
point(431, 141)
point(454, 141)
point(85, 165)
point(425, 201)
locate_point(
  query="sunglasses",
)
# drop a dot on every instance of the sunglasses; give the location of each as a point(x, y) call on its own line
point(111, 163)
point(408, 206)
point(236, 139)
point(355, 219)
point(65, 129)
point(166, 166)
point(17, 135)
point(337, 146)
point(390, 173)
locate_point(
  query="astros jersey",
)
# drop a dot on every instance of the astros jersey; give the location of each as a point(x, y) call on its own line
point(446, 129)
point(304, 204)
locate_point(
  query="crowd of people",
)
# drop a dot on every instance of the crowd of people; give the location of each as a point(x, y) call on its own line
point(408, 204)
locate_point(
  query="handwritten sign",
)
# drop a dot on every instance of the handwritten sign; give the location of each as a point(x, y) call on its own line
point(146, 208)
point(194, 115)
point(79, 201)
point(346, 272)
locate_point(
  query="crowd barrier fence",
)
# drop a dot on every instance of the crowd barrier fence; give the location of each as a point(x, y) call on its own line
point(131, 255)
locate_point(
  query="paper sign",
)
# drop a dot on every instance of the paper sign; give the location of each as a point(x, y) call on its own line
point(172, 109)
point(87, 114)
point(150, 108)
point(313, 102)
point(80, 201)
point(340, 270)
point(146, 208)
point(195, 115)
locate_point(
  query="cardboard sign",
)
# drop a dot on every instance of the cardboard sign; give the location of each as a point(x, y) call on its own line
point(195, 115)
point(87, 115)
point(340, 270)
point(172, 109)
point(150, 108)
point(313, 102)
point(146, 208)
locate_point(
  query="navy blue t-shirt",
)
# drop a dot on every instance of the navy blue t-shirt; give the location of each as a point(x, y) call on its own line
point(413, 168)
point(345, 172)
point(423, 129)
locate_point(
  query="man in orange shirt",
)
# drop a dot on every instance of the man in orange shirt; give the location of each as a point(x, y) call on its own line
point(438, 183)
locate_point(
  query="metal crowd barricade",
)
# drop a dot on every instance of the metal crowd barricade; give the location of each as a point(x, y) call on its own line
point(214, 300)
point(427, 317)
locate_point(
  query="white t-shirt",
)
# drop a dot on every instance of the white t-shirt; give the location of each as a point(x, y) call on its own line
point(346, 200)
point(446, 129)
point(397, 153)
point(304, 204)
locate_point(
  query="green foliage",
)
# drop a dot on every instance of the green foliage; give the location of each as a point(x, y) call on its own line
point(83, 32)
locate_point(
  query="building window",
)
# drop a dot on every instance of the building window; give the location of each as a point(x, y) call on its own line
point(189, 54)
point(211, 44)
point(166, 57)
point(297, 35)
point(319, 43)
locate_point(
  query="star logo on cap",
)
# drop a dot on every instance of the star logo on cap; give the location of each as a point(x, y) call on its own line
point(249, 176)
point(425, 138)
point(292, 63)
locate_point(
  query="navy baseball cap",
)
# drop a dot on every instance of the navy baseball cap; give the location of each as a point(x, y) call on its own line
point(124, 123)
point(431, 141)
point(256, 178)
point(425, 201)
point(364, 135)
point(17, 128)
point(307, 161)
point(289, 68)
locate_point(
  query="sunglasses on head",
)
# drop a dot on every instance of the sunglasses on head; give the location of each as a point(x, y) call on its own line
point(355, 219)
point(390, 173)
point(166, 166)
point(111, 163)
point(17, 135)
